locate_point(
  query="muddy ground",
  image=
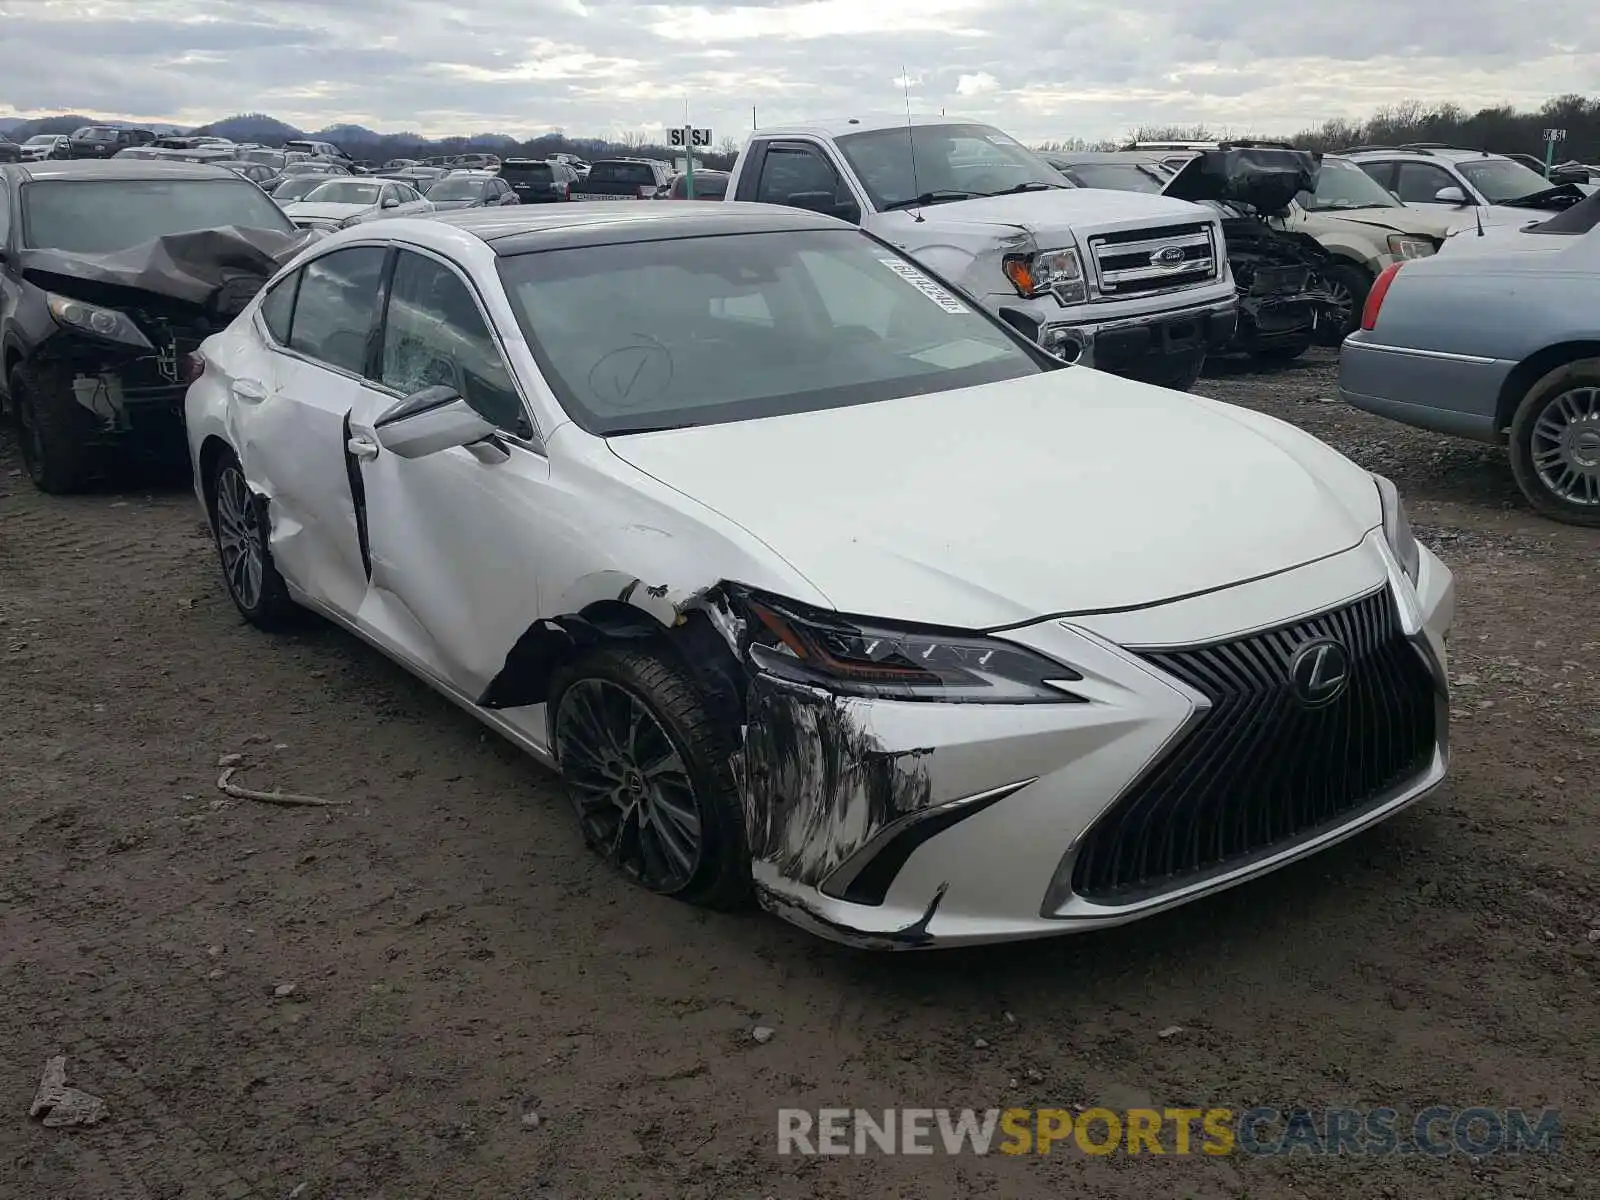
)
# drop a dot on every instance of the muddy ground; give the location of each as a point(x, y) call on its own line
point(458, 961)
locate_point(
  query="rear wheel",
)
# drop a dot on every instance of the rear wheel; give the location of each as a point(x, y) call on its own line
point(1555, 443)
point(648, 771)
point(53, 430)
point(1349, 285)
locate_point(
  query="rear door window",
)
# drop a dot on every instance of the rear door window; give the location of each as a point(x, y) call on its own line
point(277, 307)
point(334, 311)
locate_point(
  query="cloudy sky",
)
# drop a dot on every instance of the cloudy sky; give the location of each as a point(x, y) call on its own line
point(1041, 68)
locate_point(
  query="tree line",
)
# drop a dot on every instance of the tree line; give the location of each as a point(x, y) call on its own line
point(1499, 128)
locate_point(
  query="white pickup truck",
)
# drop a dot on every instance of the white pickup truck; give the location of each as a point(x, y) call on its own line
point(1133, 284)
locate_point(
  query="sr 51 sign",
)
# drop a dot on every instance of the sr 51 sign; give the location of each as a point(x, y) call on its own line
point(698, 139)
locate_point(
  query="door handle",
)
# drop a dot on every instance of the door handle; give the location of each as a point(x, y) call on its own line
point(249, 390)
point(362, 448)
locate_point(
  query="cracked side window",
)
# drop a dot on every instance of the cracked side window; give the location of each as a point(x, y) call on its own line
point(436, 335)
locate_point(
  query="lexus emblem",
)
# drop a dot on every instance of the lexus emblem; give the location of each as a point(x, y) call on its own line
point(1319, 672)
point(1168, 256)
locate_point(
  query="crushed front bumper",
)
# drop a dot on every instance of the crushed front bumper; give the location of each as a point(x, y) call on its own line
point(907, 825)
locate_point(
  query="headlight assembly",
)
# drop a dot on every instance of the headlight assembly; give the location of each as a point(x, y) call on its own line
point(1056, 271)
point(1397, 529)
point(867, 658)
point(105, 323)
point(1404, 246)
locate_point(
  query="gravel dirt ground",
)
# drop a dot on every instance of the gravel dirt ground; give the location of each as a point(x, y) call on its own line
point(457, 961)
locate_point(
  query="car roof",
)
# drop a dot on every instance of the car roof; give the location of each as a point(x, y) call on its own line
point(1135, 158)
point(146, 169)
point(1428, 153)
point(834, 127)
point(531, 228)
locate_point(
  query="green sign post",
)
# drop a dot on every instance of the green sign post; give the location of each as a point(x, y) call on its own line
point(1551, 137)
point(690, 139)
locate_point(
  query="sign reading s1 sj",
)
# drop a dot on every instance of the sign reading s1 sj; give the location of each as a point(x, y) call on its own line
point(690, 138)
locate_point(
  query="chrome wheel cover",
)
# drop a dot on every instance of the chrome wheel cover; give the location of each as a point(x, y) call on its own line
point(1565, 446)
point(629, 784)
point(239, 537)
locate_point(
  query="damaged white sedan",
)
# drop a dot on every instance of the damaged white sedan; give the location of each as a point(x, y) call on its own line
point(815, 580)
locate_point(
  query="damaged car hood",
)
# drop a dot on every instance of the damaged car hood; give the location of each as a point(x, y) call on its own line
point(1262, 179)
point(1071, 491)
point(216, 269)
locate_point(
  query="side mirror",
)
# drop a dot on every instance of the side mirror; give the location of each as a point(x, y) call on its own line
point(426, 422)
point(1450, 195)
point(390, 202)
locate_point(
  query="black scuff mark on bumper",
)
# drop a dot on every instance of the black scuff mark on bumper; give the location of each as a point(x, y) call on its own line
point(817, 782)
point(914, 936)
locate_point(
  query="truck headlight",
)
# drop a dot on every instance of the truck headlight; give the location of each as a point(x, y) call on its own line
point(100, 322)
point(1397, 529)
point(1057, 271)
point(1404, 246)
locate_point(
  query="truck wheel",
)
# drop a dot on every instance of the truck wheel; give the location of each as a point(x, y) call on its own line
point(648, 770)
point(1555, 444)
point(53, 429)
point(1349, 284)
point(1286, 351)
point(1179, 372)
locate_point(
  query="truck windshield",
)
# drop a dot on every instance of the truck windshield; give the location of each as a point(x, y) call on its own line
point(707, 330)
point(104, 216)
point(943, 162)
point(1341, 184)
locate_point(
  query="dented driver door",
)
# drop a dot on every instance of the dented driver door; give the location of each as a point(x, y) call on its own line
point(453, 537)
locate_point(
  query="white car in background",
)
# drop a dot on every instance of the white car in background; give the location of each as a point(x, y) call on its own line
point(1464, 186)
point(343, 202)
point(816, 580)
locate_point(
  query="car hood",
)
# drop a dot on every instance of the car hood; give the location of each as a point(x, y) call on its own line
point(1394, 220)
point(327, 210)
point(1263, 179)
point(1071, 491)
point(1054, 215)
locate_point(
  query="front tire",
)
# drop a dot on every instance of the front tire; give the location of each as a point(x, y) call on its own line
point(1555, 444)
point(239, 526)
point(648, 770)
point(54, 431)
point(1349, 284)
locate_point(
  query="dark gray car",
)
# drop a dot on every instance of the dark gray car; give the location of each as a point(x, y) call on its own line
point(1496, 339)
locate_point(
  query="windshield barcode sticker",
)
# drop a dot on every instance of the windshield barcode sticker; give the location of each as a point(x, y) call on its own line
point(923, 284)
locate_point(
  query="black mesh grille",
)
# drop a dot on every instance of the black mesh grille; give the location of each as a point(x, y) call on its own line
point(1261, 769)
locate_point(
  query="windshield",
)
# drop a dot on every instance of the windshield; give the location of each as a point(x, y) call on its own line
point(270, 158)
point(343, 191)
point(1119, 177)
point(104, 216)
point(96, 133)
point(1500, 179)
point(458, 189)
point(714, 329)
point(311, 168)
point(1341, 184)
point(41, 139)
point(535, 172)
point(622, 172)
point(296, 187)
point(951, 162)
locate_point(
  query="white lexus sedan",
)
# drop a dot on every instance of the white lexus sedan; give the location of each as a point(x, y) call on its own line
point(340, 203)
point(815, 581)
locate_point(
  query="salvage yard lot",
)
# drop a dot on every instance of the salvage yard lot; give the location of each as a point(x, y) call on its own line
point(459, 961)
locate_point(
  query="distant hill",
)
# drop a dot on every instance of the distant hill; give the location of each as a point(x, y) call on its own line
point(251, 127)
point(359, 135)
point(7, 124)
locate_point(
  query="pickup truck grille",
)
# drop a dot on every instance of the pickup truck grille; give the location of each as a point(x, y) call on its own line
point(1145, 261)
